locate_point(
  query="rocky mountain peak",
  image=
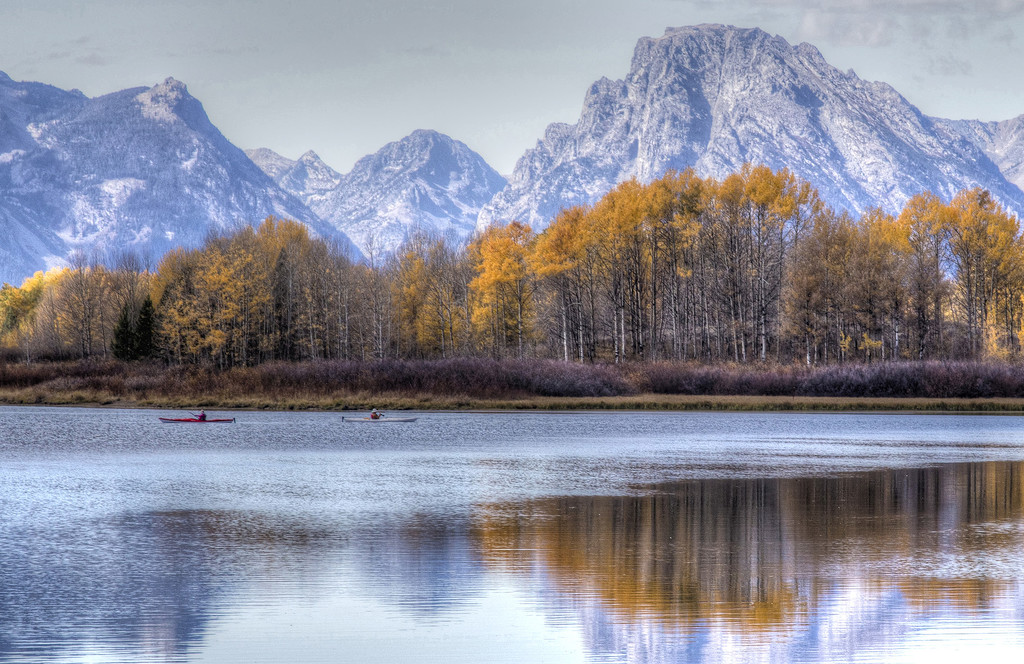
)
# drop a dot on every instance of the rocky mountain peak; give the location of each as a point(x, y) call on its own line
point(145, 168)
point(426, 182)
point(420, 147)
point(423, 182)
point(141, 169)
point(307, 178)
point(170, 102)
point(1002, 142)
point(270, 162)
point(714, 97)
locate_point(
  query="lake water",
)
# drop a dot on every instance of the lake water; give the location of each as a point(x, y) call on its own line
point(473, 537)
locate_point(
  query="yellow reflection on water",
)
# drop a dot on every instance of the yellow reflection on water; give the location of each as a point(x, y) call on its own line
point(768, 556)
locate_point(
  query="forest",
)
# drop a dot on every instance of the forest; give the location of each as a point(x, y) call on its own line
point(753, 269)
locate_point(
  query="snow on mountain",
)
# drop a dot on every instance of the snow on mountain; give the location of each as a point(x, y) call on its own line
point(270, 162)
point(306, 178)
point(1003, 142)
point(714, 97)
point(424, 182)
point(28, 241)
point(141, 169)
point(146, 169)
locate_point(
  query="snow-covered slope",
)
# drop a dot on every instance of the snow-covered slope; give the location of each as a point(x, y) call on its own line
point(146, 169)
point(714, 97)
point(305, 178)
point(1003, 142)
point(141, 169)
point(271, 163)
point(424, 182)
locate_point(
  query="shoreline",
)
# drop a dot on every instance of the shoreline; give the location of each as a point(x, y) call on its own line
point(643, 402)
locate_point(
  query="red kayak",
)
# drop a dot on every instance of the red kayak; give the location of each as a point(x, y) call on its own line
point(173, 420)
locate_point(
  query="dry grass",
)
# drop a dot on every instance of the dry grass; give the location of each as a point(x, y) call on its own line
point(762, 404)
point(520, 385)
point(651, 402)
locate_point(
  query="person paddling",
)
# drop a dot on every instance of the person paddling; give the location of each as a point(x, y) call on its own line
point(374, 414)
point(202, 416)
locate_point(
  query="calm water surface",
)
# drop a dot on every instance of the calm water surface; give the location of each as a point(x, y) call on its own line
point(615, 537)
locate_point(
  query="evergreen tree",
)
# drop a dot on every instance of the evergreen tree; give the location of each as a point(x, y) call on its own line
point(144, 330)
point(133, 339)
point(123, 344)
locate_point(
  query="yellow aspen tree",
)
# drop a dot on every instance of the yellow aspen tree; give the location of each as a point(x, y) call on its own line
point(673, 206)
point(923, 226)
point(50, 334)
point(770, 209)
point(217, 302)
point(876, 286)
point(447, 280)
point(623, 258)
point(283, 245)
point(730, 256)
point(317, 284)
point(503, 286)
point(87, 307)
point(175, 297)
point(815, 305)
point(411, 286)
point(1006, 267)
point(983, 241)
point(672, 227)
point(253, 296)
point(18, 307)
point(558, 258)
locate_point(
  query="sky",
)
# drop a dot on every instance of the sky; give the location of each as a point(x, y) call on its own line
point(345, 77)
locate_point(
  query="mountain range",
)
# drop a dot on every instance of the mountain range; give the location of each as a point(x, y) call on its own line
point(146, 170)
point(714, 97)
point(140, 170)
point(424, 182)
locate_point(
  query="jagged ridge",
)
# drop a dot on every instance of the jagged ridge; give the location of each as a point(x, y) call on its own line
point(424, 182)
point(145, 168)
point(714, 97)
point(141, 169)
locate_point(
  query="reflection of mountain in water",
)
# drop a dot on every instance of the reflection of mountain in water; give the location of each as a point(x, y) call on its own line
point(152, 583)
point(147, 582)
point(814, 569)
point(772, 570)
point(426, 566)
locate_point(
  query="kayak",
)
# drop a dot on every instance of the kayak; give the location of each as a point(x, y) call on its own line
point(379, 419)
point(175, 420)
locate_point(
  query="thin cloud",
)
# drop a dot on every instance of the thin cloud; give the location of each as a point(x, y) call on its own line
point(56, 56)
point(995, 8)
point(76, 50)
point(848, 28)
point(93, 59)
point(949, 65)
point(78, 56)
point(879, 23)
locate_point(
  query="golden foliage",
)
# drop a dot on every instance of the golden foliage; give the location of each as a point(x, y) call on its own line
point(750, 268)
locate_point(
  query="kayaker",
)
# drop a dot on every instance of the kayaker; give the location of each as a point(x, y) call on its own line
point(374, 415)
point(202, 416)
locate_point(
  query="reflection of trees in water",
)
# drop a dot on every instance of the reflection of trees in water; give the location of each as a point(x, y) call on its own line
point(774, 555)
point(145, 583)
point(825, 563)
